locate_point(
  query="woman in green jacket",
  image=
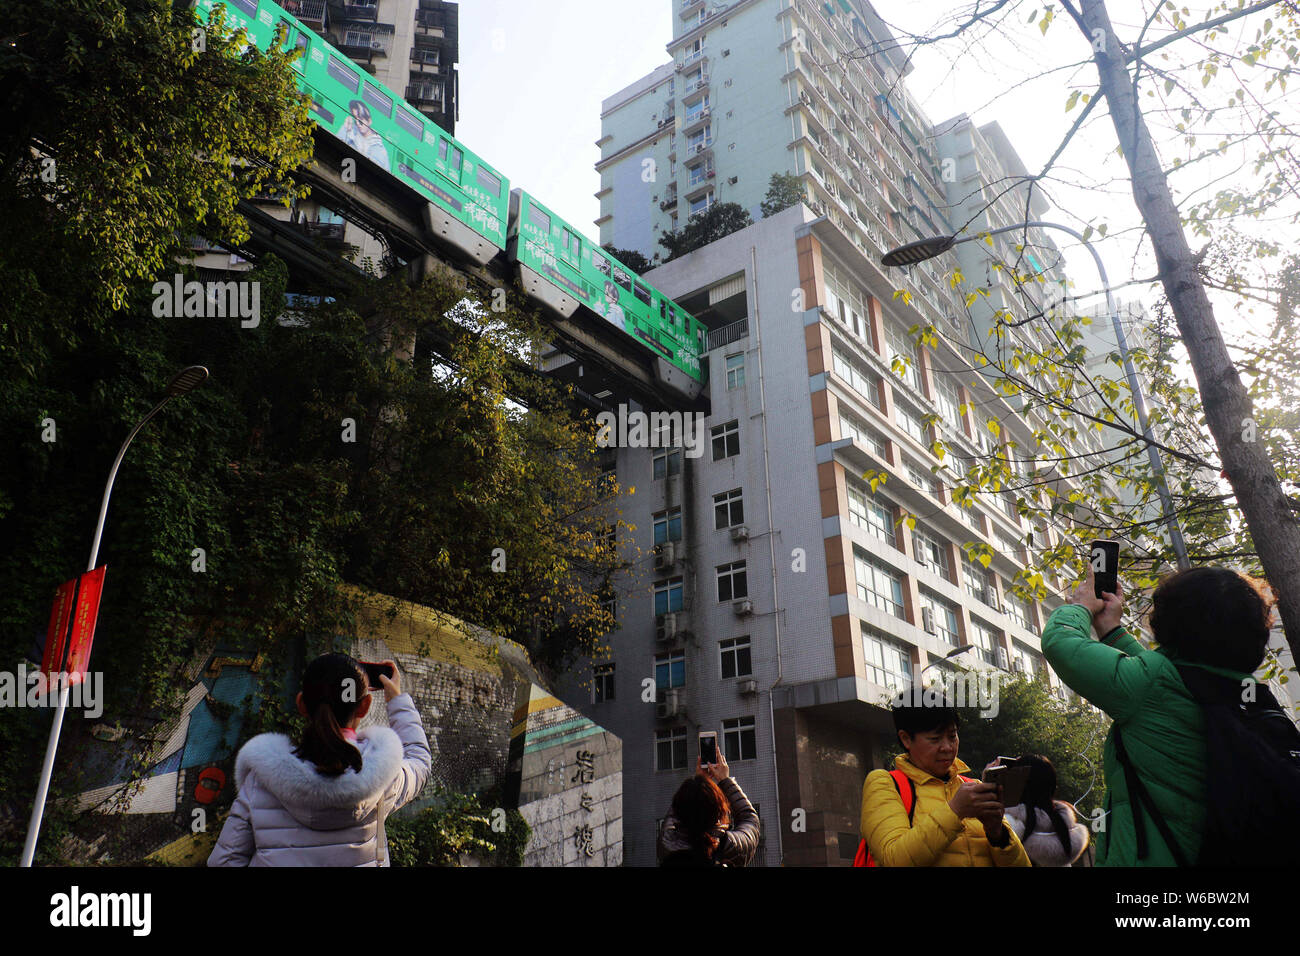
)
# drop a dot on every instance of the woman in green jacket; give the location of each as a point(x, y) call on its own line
point(1211, 618)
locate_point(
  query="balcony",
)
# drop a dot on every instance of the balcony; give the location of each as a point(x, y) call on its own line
point(689, 7)
point(363, 46)
point(431, 23)
point(695, 119)
point(699, 149)
point(728, 334)
point(424, 95)
point(310, 12)
point(670, 199)
point(361, 11)
point(692, 59)
point(425, 61)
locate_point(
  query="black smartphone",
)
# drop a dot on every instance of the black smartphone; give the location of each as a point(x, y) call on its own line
point(373, 671)
point(709, 747)
point(1104, 557)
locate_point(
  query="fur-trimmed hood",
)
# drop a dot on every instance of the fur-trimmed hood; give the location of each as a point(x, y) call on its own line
point(314, 799)
point(1043, 845)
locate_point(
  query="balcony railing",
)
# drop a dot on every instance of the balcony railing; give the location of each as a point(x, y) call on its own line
point(727, 334)
point(432, 20)
point(310, 12)
point(361, 11)
point(424, 94)
point(429, 60)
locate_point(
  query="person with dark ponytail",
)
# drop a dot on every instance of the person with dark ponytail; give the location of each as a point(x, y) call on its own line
point(323, 801)
point(711, 823)
point(1047, 828)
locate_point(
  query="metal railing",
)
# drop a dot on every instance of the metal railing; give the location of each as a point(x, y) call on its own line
point(727, 334)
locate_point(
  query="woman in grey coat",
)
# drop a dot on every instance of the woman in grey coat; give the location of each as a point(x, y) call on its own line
point(323, 802)
point(711, 823)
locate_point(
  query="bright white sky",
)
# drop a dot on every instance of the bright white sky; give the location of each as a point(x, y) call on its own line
point(539, 123)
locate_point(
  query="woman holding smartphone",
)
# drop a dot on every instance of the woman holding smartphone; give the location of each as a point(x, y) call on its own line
point(712, 822)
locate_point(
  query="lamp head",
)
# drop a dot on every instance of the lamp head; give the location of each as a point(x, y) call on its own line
point(919, 251)
point(186, 380)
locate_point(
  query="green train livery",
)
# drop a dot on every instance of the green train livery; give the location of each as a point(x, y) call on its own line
point(468, 198)
point(562, 268)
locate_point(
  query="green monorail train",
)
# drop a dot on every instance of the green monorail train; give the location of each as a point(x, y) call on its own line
point(470, 204)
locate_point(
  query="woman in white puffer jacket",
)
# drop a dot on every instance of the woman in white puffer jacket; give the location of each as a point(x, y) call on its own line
point(1048, 828)
point(323, 802)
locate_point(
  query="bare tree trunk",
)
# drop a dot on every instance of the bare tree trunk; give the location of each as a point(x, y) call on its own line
point(1274, 528)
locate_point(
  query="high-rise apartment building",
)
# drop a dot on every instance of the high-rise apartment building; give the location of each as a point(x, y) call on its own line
point(780, 598)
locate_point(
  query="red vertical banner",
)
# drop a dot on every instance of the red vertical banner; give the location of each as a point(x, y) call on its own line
point(83, 623)
point(56, 639)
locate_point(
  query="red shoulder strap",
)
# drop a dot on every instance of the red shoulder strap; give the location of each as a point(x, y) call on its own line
point(904, 787)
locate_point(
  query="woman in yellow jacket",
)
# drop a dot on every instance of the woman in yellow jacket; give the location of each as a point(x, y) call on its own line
point(954, 822)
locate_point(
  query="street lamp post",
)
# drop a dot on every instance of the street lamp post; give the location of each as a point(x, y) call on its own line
point(186, 380)
point(923, 249)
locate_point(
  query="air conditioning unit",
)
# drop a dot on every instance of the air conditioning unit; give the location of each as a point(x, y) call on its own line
point(666, 627)
point(740, 533)
point(1018, 666)
point(1002, 658)
point(376, 45)
point(927, 620)
point(743, 607)
point(672, 704)
point(665, 555)
point(749, 686)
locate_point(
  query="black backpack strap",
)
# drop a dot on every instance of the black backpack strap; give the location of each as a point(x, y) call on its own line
point(1137, 792)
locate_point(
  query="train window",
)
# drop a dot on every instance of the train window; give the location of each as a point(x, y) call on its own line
point(489, 181)
point(539, 219)
point(640, 292)
point(451, 156)
point(572, 244)
point(247, 6)
point(600, 262)
point(623, 279)
point(409, 123)
point(343, 73)
point(378, 100)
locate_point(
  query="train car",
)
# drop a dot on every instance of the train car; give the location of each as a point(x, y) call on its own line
point(563, 269)
point(468, 199)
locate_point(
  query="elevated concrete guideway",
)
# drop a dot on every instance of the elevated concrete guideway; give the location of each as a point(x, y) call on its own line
point(592, 355)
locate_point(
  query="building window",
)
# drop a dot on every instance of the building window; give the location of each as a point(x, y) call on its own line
point(726, 440)
point(899, 346)
point(728, 509)
point(888, 662)
point(863, 434)
point(1025, 660)
point(865, 383)
point(932, 552)
point(1017, 609)
point(736, 660)
point(602, 677)
point(947, 398)
point(731, 581)
point(942, 619)
point(670, 749)
point(987, 639)
point(735, 370)
point(978, 581)
point(910, 422)
point(871, 514)
point(739, 741)
point(918, 475)
point(668, 525)
point(667, 461)
point(879, 585)
point(668, 596)
point(670, 671)
point(702, 203)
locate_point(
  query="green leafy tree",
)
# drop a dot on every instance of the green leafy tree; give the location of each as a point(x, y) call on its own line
point(1224, 431)
point(719, 220)
point(783, 190)
point(630, 258)
point(1031, 721)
